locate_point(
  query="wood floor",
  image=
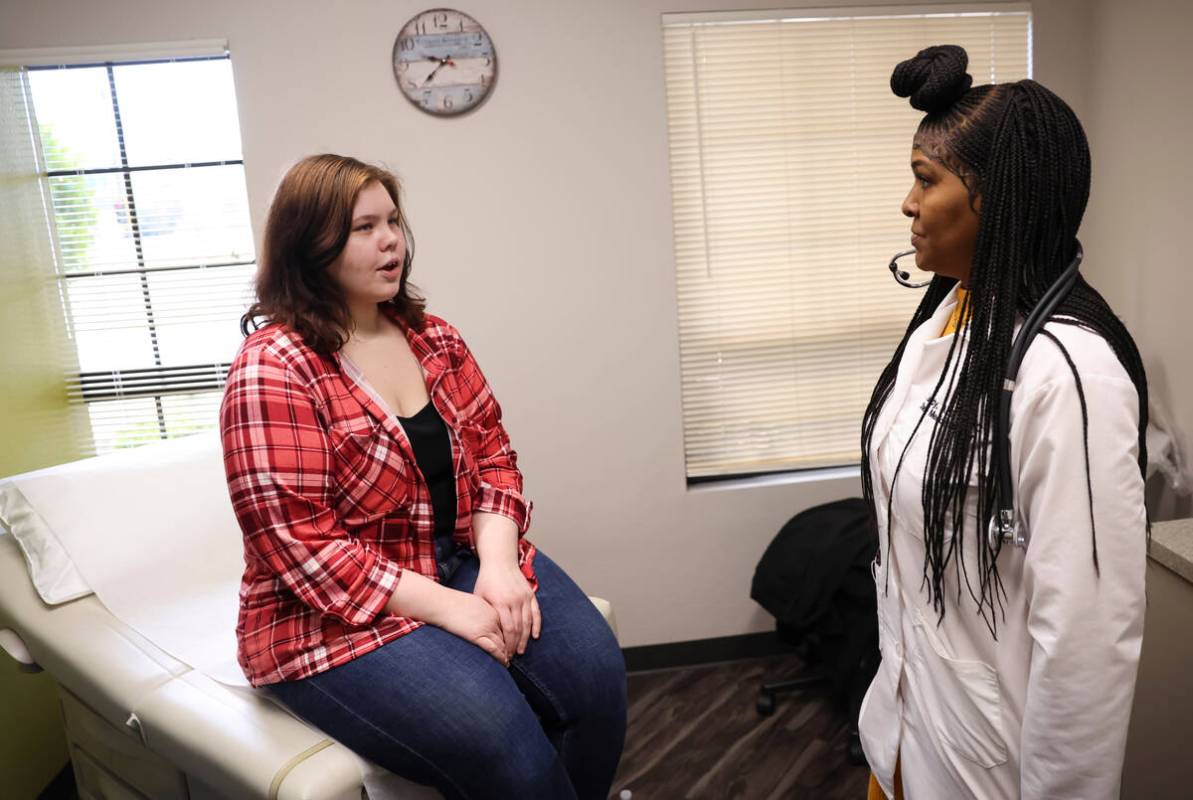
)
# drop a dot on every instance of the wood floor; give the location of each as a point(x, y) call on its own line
point(694, 733)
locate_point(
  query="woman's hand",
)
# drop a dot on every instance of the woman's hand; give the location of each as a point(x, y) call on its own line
point(459, 613)
point(503, 586)
point(474, 620)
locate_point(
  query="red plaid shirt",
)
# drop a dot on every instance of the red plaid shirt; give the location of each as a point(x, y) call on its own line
point(332, 505)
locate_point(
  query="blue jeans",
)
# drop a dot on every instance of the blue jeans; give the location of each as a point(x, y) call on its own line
point(438, 710)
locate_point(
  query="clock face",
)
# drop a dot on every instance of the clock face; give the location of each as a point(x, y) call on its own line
point(444, 62)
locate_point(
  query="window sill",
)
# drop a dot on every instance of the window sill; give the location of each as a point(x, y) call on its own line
point(778, 479)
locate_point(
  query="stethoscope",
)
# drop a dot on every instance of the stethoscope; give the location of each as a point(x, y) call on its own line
point(1004, 526)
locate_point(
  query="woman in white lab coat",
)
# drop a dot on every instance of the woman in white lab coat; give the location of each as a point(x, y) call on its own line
point(1007, 671)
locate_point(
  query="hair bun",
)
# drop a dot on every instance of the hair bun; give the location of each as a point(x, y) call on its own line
point(934, 79)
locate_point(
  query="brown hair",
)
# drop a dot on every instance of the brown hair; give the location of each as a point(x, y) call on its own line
point(308, 225)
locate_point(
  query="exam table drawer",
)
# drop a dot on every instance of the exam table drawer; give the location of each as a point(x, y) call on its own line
point(96, 783)
point(116, 764)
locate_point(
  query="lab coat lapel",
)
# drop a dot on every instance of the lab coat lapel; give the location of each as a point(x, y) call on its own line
point(908, 364)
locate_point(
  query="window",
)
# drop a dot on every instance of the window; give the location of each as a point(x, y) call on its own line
point(153, 247)
point(789, 161)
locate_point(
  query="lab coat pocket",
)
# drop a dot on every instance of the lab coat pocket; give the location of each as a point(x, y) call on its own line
point(960, 698)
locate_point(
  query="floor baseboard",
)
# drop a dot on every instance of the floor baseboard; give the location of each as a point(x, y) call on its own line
point(704, 651)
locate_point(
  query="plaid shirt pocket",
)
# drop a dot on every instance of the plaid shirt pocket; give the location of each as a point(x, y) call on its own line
point(370, 476)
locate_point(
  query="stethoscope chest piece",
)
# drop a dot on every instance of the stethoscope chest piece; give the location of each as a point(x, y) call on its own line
point(1003, 526)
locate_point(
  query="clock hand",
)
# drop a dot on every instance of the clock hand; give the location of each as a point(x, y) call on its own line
point(442, 63)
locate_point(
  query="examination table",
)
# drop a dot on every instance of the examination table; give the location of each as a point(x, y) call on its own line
point(143, 714)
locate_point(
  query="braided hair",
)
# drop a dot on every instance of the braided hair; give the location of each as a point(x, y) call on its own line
point(1021, 149)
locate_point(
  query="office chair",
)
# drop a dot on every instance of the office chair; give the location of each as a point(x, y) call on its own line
point(806, 647)
point(815, 579)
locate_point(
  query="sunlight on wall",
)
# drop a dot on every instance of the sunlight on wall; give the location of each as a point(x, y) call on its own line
point(37, 426)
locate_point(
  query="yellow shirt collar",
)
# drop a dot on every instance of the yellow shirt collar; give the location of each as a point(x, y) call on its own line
point(955, 320)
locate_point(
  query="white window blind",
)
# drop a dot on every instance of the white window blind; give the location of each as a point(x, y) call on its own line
point(789, 161)
point(153, 245)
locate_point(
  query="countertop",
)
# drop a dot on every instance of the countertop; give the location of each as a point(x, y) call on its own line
point(1172, 546)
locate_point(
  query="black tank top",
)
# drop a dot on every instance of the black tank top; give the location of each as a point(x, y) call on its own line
point(432, 447)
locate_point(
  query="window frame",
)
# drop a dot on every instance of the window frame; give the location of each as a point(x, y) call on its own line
point(157, 381)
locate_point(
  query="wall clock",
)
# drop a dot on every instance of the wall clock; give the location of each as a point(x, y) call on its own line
point(444, 62)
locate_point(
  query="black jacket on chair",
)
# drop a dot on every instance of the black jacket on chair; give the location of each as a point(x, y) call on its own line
point(815, 579)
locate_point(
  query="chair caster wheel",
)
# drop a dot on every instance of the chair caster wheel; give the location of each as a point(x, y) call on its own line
point(765, 704)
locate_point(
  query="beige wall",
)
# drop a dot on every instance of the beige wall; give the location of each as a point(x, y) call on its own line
point(543, 224)
point(1141, 109)
point(1136, 229)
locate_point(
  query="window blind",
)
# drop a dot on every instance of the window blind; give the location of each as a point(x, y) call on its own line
point(153, 247)
point(789, 161)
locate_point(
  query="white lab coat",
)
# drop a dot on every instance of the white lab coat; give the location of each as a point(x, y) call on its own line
point(1042, 712)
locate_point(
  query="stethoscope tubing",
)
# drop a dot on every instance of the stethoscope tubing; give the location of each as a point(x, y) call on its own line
point(1004, 525)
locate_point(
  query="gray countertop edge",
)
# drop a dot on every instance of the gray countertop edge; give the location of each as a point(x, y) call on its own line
point(1172, 546)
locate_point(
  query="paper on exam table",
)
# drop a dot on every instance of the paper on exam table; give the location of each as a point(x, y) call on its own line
point(173, 577)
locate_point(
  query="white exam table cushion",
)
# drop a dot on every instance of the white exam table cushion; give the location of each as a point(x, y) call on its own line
point(235, 741)
point(151, 531)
